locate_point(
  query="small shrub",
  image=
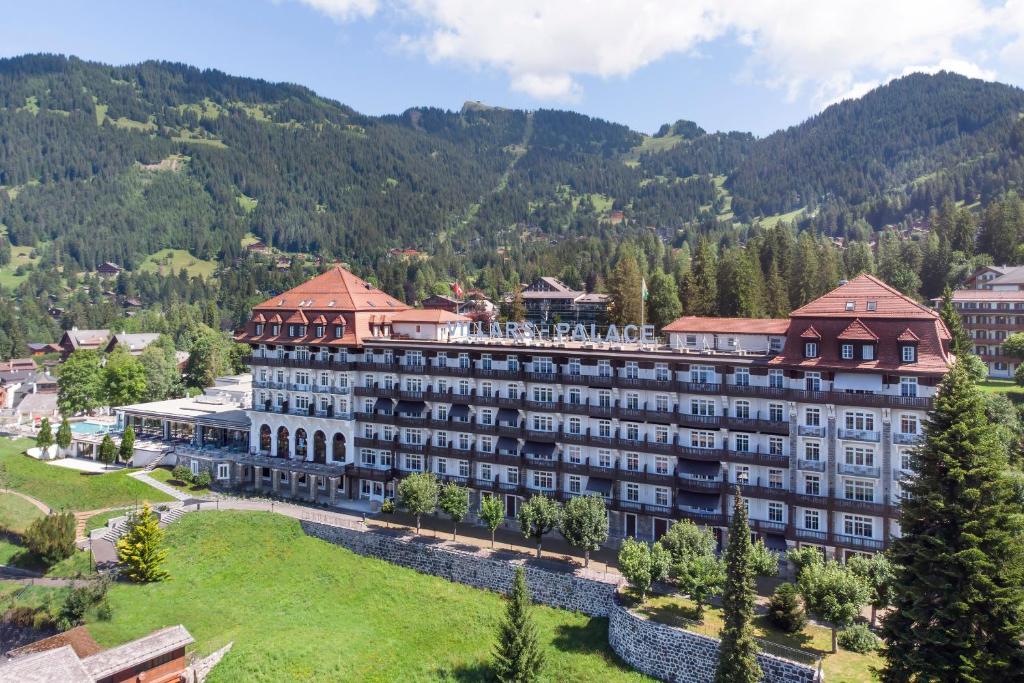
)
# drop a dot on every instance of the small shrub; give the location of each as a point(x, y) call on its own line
point(785, 611)
point(104, 612)
point(858, 638)
point(52, 538)
point(388, 506)
point(182, 473)
point(202, 480)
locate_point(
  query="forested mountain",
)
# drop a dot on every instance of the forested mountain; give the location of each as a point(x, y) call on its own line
point(103, 163)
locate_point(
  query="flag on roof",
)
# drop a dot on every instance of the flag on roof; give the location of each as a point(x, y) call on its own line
point(457, 289)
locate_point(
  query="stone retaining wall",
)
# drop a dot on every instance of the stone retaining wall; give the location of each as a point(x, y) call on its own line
point(562, 589)
point(672, 654)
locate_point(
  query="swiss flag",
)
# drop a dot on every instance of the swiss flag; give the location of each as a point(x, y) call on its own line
point(457, 289)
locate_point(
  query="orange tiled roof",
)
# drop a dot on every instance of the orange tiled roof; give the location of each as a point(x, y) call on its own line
point(862, 291)
point(336, 289)
point(810, 333)
point(857, 331)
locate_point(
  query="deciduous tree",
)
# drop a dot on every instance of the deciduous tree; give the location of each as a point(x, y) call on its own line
point(124, 378)
point(877, 571)
point(584, 524)
point(454, 501)
point(418, 494)
point(80, 383)
point(642, 564)
point(833, 594)
point(538, 517)
point(492, 512)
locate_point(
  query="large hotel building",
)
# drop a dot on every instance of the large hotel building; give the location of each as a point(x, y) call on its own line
point(812, 416)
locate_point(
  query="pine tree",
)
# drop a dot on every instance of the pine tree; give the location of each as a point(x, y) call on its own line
point(958, 607)
point(737, 654)
point(64, 434)
point(127, 448)
point(140, 551)
point(961, 342)
point(785, 610)
point(44, 438)
point(624, 289)
point(776, 297)
point(517, 309)
point(517, 655)
point(108, 451)
point(702, 285)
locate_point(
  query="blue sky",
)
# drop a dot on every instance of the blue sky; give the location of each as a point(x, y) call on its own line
point(727, 64)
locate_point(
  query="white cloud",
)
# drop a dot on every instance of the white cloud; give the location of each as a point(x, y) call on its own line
point(823, 51)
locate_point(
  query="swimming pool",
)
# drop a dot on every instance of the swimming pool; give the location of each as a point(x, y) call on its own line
point(90, 428)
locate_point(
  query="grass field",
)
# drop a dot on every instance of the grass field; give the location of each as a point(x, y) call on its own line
point(63, 488)
point(20, 256)
point(301, 609)
point(16, 513)
point(164, 475)
point(842, 667)
point(169, 261)
point(1012, 390)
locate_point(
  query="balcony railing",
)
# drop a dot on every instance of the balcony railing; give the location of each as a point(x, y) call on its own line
point(860, 470)
point(811, 465)
point(859, 435)
point(811, 430)
point(907, 438)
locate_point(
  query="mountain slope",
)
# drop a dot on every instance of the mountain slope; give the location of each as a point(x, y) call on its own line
point(116, 163)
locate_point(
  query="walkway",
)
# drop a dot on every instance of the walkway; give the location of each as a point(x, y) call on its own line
point(160, 486)
point(38, 503)
point(27, 577)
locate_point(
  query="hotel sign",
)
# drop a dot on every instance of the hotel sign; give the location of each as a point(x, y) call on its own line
point(559, 332)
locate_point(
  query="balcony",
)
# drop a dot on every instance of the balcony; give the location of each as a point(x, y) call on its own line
point(811, 535)
point(859, 435)
point(696, 485)
point(490, 373)
point(857, 542)
point(811, 465)
point(589, 380)
point(700, 387)
point(811, 430)
point(700, 421)
point(859, 470)
point(907, 438)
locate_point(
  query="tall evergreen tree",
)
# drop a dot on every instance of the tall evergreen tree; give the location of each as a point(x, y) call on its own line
point(624, 288)
point(517, 654)
point(958, 608)
point(141, 551)
point(737, 654)
point(702, 287)
point(776, 297)
point(961, 342)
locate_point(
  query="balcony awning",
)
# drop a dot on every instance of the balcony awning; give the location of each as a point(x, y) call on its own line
point(539, 449)
point(508, 416)
point(459, 412)
point(383, 406)
point(703, 501)
point(507, 443)
point(775, 542)
point(413, 408)
point(599, 485)
point(699, 468)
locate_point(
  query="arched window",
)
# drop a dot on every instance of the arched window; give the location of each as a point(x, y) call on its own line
point(282, 442)
point(300, 443)
point(319, 447)
point(338, 447)
point(265, 438)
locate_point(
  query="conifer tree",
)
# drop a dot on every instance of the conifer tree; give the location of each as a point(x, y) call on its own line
point(737, 654)
point(624, 288)
point(108, 451)
point(958, 606)
point(961, 342)
point(140, 551)
point(44, 438)
point(517, 309)
point(702, 285)
point(64, 433)
point(127, 448)
point(517, 655)
point(776, 297)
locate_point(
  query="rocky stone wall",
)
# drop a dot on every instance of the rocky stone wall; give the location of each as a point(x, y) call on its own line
point(672, 654)
point(549, 584)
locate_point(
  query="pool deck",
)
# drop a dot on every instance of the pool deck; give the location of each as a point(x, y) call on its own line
point(84, 465)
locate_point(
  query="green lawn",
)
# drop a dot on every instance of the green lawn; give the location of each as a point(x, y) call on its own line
point(20, 256)
point(63, 488)
point(170, 261)
point(842, 667)
point(163, 474)
point(16, 513)
point(1013, 391)
point(301, 609)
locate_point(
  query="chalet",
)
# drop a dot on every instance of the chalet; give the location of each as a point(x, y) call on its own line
point(108, 268)
point(257, 247)
point(616, 217)
point(41, 348)
point(442, 302)
point(76, 339)
point(133, 343)
point(548, 299)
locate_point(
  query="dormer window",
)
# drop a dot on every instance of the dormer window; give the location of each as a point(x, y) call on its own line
point(810, 349)
point(867, 352)
point(908, 353)
point(846, 351)
point(339, 331)
point(275, 330)
point(320, 331)
point(259, 329)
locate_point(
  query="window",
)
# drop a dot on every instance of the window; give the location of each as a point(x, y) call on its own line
point(775, 379)
point(463, 468)
point(775, 479)
point(856, 455)
point(855, 525)
point(846, 351)
point(575, 483)
point(604, 368)
point(812, 520)
point(812, 485)
point(486, 362)
point(775, 511)
point(543, 423)
point(543, 394)
point(633, 401)
point(905, 460)
point(575, 397)
point(702, 406)
point(743, 409)
point(812, 417)
point(633, 462)
point(604, 428)
point(632, 492)
point(775, 445)
point(485, 472)
point(742, 474)
point(810, 349)
point(742, 377)
point(543, 480)
point(661, 496)
point(604, 458)
point(860, 421)
point(661, 465)
point(661, 372)
point(908, 387)
point(223, 471)
point(574, 454)
point(812, 451)
point(812, 381)
point(632, 432)
point(702, 374)
point(512, 363)
point(512, 475)
point(702, 439)
point(859, 489)
point(908, 424)
point(742, 442)
point(908, 353)
point(259, 329)
point(867, 352)
point(604, 398)
point(413, 462)
point(775, 412)
point(574, 367)
point(632, 369)
point(574, 425)
point(661, 403)
point(661, 434)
